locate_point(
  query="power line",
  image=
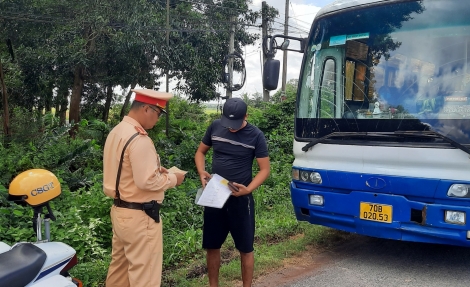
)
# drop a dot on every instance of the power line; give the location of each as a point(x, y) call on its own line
point(297, 28)
point(292, 26)
point(307, 14)
point(54, 20)
point(47, 18)
point(297, 19)
point(294, 16)
point(213, 5)
point(32, 17)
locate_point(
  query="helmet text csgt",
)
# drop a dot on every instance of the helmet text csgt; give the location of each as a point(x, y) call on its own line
point(42, 189)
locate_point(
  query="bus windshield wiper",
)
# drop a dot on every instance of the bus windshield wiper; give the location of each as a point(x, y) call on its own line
point(417, 134)
point(433, 134)
point(346, 134)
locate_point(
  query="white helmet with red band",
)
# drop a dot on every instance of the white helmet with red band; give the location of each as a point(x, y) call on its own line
point(152, 97)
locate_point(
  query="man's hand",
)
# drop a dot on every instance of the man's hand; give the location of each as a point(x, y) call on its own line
point(179, 178)
point(204, 176)
point(242, 190)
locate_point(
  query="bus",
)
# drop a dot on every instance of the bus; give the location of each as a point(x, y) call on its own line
point(382, 121)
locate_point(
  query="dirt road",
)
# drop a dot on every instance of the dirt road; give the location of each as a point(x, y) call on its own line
point(367, 261)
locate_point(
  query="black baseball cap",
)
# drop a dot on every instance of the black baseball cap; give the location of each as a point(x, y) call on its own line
point(233, 113)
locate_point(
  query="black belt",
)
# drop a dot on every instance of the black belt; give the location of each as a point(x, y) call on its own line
point(130, 205)
point(151, 208)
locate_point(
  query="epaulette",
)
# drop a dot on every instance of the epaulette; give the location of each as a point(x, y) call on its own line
point(140, 130)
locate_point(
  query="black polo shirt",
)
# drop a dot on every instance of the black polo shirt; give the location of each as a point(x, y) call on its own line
point(234, 152)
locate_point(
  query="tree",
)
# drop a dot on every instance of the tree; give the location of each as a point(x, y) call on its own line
point(199, 43)
point(84, 49)
point(291, 91)
point(72, 39)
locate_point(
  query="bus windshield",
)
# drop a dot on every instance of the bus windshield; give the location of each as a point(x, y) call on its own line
point(398, 66)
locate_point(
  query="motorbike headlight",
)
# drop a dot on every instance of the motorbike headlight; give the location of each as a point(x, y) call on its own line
point(458, 190)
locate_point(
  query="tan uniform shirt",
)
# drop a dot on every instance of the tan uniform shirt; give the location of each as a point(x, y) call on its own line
point(141, 180)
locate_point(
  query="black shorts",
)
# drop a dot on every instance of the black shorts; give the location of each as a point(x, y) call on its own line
point(237, 217)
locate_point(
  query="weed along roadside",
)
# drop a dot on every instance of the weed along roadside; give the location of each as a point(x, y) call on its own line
point(271, 256)
point(82, 211)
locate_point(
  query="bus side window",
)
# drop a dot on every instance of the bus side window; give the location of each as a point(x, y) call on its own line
point(327, 107)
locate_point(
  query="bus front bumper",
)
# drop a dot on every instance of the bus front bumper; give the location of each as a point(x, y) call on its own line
point(409, 220)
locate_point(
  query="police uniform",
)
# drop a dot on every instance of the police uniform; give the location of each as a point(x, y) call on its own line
point(137, 250)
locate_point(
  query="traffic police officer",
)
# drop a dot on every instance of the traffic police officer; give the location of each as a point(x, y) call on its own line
point(133, 176)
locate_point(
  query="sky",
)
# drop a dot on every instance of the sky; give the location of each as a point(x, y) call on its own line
point(301, 15)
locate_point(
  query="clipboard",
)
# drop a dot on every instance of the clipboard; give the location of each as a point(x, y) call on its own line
point(215, 194)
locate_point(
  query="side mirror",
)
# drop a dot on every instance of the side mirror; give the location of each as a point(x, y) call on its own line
point(271, 74)
point(285, 44)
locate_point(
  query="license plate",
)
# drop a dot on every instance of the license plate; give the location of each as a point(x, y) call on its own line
point(375, 212)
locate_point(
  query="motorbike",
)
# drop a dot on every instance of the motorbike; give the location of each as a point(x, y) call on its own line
point(43, 263)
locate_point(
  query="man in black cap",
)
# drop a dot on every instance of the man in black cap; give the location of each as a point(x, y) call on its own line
point(236, 143)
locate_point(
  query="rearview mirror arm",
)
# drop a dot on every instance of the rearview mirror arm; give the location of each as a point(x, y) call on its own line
point(273, 45)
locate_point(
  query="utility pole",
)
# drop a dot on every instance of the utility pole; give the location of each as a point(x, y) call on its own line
point(284, 60)
point(230, 59)
point(167, 126)
point(264, 34)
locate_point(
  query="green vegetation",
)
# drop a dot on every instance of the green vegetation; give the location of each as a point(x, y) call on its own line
point(68, 57)
point(83, 50)
point(82, 210)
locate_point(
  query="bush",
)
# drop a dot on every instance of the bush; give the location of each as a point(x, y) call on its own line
point(82, 210)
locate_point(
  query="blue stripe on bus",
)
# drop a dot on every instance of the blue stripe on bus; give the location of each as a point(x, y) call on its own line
point(344, 191)
point(431, 189)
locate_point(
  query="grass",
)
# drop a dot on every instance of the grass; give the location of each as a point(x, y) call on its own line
point(211, 111)
point(278, 237)
point(270, 254)
point(268, 258)
point(91, 273)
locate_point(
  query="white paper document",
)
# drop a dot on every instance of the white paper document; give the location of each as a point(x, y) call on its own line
point(216, 192)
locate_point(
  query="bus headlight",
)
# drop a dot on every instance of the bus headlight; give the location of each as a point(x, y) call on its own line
point(304, 175)
point(315, 177)
point(307, 176)
point(455, 217)
point(458, 190)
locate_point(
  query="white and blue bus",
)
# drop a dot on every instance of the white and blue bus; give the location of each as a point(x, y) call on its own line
point(382, 123)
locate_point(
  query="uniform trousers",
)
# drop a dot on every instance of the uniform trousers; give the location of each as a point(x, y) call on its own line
point(137, 255)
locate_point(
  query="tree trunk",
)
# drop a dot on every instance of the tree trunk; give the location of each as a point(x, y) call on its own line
point(6, 112)
point(128, 99)
point(62, 103)
point(107, 105)
point(48, 98)
point(40, 106)
point(76, 98)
